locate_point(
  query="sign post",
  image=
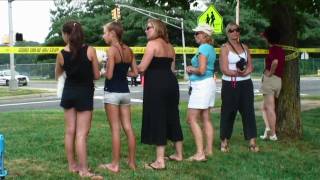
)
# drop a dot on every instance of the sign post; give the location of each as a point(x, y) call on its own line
point(13, 83)
point(212, 17)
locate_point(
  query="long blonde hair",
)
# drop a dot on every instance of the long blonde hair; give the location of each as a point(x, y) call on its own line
point(160, 29)
point(116, 27)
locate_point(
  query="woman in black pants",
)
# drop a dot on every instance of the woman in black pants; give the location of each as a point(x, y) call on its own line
point(237, 89)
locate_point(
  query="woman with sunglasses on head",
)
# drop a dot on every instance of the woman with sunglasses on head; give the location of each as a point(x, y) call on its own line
point(271, 81)
point(237, 89)
point(161, 120)
point(203, 88)
point(117, 94)
point(80, 63)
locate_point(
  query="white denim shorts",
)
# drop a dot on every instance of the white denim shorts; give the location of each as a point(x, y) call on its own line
point(203, 94)
point(116, 98)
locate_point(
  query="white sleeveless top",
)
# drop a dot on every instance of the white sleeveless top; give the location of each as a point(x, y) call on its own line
point(233, 58)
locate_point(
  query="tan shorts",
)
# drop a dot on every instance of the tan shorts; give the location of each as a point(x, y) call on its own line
point(271, 85)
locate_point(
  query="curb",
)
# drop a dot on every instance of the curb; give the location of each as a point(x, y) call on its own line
point(29, 96)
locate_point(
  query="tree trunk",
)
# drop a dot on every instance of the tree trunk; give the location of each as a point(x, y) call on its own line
point(288, 105)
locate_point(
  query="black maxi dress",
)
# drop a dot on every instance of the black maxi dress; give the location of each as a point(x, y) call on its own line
point(160, 120)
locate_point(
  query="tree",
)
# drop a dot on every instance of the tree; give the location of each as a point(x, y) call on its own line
point(286, 16)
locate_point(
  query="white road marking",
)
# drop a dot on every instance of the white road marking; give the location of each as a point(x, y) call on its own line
point(98, 97)
point(136, 100)
point(18, 104)
point(132, 99)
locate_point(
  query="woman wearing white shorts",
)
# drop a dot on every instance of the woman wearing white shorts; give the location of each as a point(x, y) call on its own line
point(202, 95)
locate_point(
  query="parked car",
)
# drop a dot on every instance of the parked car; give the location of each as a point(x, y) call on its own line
point(136, 82)
point(5, 77)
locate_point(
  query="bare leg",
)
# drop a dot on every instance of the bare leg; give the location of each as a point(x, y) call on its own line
point(69, 138)
point(269, 108)
point(125, 115)
point(208, 131)
point(159, 163)
point(114, 122)
point(178, 155)
point(264, 113)
point(193, 115)
point(83, 127)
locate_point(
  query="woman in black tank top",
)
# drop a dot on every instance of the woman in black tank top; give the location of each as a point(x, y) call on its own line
point(80, 63)
point(117, 97)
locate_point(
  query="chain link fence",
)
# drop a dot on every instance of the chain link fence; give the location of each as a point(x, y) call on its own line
point(34, 71)
point(46, 70)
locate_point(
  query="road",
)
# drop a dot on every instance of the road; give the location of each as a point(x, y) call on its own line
point(309, 86)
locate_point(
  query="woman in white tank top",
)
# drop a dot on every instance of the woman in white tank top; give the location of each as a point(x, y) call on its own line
point(237, 89)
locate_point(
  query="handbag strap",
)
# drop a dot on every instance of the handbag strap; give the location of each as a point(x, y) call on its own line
point(236, 50)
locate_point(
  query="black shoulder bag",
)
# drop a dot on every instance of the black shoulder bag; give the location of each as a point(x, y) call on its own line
point(242, 63)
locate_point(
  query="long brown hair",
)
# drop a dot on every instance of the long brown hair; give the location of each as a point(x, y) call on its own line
point(160, 29)
point(75, 33)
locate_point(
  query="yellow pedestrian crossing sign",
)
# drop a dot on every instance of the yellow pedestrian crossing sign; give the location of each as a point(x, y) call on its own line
point(212, 17)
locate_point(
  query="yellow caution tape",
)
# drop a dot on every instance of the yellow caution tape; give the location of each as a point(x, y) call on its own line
point(295, 52)
point(30, 50)
point(259, 51)
point(140, 50)
point(310, 50)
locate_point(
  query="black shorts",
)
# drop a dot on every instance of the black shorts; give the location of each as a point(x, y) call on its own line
point(80, 98)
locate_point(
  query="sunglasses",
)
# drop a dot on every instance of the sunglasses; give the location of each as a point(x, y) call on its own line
point(149, 27)
point(197, 33)
point(233, 30)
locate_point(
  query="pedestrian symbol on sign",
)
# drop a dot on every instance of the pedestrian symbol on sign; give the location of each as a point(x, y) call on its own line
point(212, 17)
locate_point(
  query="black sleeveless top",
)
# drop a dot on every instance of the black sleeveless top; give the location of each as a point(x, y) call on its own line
point(79, 70)
point(118, 83)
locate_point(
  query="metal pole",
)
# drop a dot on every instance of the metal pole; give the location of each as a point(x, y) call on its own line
point(13, 84)
point(185, 75)
point(238, 12)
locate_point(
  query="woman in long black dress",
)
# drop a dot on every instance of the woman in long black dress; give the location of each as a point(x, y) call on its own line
point(160, 96)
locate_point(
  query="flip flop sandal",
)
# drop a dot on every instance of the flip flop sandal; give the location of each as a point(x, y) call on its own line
point(149, 166)
point(224, 148)
point(193, 159)
point(90, 175)
point(170, 158)
point(253, 148)
point(106, 167)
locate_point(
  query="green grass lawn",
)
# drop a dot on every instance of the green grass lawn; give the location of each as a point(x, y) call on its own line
point(35, 150)
point(4, 91)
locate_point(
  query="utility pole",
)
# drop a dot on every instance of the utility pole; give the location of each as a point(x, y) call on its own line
point(13, 84)
point(185, 75)
point(152, 15)
point(238, 12)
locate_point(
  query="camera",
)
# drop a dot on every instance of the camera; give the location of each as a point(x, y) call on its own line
point(189, 90)
point(241, 64)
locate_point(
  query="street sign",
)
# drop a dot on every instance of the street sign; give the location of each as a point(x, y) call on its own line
point(212, 17)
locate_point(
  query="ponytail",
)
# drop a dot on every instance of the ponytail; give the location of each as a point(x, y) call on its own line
point(76, 37)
